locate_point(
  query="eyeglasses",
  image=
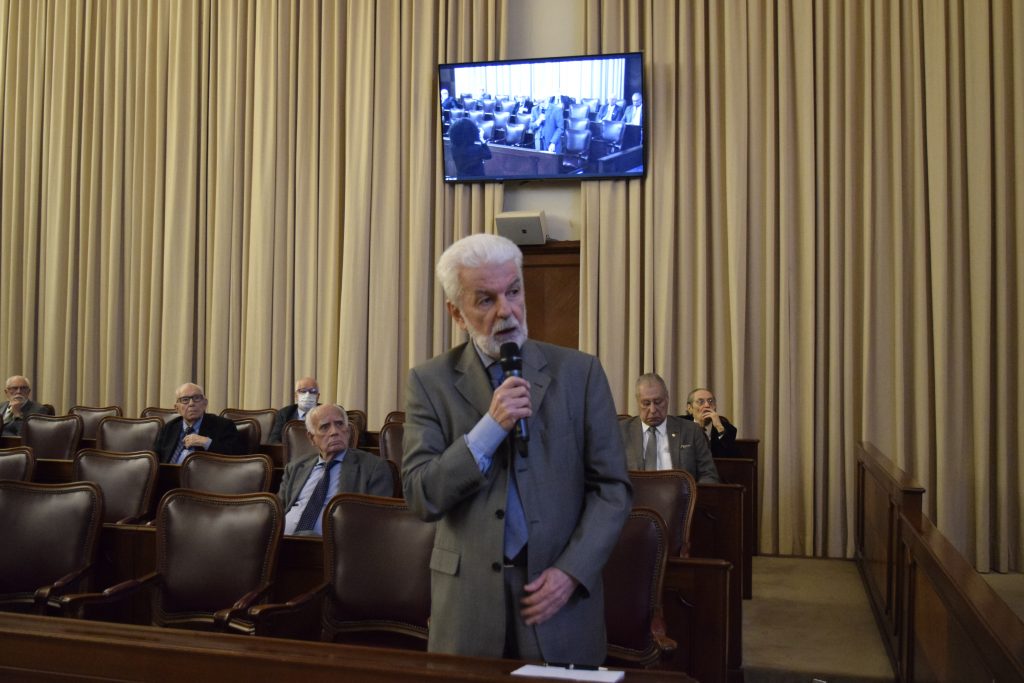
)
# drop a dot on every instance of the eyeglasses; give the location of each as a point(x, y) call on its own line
point(308, 391)
point(704, 401)
point(19, 389)
point(185, 400)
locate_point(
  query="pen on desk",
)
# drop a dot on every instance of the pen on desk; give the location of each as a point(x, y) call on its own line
point(570, 666)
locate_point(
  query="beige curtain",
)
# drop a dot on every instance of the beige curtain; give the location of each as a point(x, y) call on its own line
point(827, 236)
point(235, 193)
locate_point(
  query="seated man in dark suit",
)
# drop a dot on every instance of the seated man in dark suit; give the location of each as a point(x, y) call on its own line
point(195, 430)
point(702, 408)
point(19, 405)
point(655, 440)
point(307, 395)
point(305, 489)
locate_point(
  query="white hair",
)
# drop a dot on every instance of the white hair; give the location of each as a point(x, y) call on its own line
point(311, 415)
point(472, 252)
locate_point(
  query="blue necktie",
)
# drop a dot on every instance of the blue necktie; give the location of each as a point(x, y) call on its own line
point(315, 506)
point(176, 458)
point(516, 533)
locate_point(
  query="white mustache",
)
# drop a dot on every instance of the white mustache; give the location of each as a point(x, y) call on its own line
point(504, 326)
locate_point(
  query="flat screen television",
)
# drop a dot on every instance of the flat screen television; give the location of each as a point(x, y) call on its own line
point(530, 119)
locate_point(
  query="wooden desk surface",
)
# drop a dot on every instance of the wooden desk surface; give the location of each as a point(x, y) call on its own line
point(50, 648)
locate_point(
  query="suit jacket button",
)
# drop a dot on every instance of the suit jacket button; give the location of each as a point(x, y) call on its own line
point(496, 566)
point(500, 514)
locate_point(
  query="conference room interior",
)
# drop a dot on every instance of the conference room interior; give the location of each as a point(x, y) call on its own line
point(825, 235)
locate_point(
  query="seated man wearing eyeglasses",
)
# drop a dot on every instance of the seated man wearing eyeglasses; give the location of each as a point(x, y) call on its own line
point(18, 405)
point(702, 408)
point(307, 397)
point(196, 430)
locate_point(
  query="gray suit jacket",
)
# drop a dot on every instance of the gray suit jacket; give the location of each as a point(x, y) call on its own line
point(573, 484)
point(686, 443)
point(361, 472)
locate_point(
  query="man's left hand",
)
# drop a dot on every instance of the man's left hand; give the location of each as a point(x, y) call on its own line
point(546, 595)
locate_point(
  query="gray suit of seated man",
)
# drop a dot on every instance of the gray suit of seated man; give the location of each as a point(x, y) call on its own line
point(349, 470)
point(674, 444)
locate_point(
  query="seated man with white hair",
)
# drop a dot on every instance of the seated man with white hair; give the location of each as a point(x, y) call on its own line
point(310, 482)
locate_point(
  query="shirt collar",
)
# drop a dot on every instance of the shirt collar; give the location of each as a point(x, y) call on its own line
point(194, 425)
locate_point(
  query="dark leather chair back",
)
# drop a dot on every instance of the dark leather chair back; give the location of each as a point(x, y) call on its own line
point(296, 443)
point(633, 578)
point(579, 111)
point(501, 120)
point(48, 536)
point(379, 595)
point(391, 442)
point(673, 495)
point(577, 124)
point(357, 421)
point(127, 434)
point(216, 473)
point(514, 133)
point(611, 133)
point(252, 435)
point(165, 414)
point(264, 417)
point(17, 464)
point(395, 416)
point(91, 418)
point(53, 438)
point(577, 141)
point(212, 550)
point(126, 479)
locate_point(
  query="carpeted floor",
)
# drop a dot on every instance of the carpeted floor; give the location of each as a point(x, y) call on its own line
point(810, 620)
point(1010, 587)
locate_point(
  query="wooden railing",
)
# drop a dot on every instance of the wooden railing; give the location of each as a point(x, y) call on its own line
point(49, 648)
point(940, 619)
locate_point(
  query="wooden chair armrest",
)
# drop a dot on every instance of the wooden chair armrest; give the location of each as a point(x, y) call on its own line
point(222, 618)
point(297, 618)
point(665, 644)
point(46, 594)
point(74, 605)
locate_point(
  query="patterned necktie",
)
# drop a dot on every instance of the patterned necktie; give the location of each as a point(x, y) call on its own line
point(651, 450)
point(180, 448)
point(516, 533)
point(317, 499)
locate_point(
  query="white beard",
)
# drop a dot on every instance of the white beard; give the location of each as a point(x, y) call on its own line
point(491, 346)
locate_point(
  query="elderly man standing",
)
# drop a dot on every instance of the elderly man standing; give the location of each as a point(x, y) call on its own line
point(522, 469)
point(19, 404)
point(307, 396)
point(195, 429)
point(656, 441)
point(310, 482)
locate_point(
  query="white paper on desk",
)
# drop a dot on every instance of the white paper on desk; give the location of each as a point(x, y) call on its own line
point(561, 672)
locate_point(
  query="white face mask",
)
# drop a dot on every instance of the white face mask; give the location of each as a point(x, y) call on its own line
point(307, 400)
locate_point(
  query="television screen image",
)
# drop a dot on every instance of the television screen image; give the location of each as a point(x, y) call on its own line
point(538, 119)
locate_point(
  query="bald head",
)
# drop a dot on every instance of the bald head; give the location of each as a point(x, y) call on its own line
point(190, 402)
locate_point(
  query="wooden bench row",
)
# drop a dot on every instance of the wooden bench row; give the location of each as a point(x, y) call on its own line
point(940, 620)
point(702, 593)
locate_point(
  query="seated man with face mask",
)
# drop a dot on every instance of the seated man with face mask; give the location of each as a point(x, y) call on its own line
point(307, 396)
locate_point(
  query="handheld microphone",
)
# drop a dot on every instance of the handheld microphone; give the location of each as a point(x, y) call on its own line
point(512, 365)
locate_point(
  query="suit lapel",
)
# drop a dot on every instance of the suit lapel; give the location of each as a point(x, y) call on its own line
point(349, 470)
point(534, 363)
point(301, 475)
point(672, 428)
point(473, 383)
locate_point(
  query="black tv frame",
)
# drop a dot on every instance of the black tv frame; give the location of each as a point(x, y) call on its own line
point(523, 162)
